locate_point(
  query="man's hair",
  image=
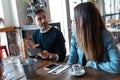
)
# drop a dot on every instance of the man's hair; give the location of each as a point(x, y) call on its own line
point(39, 11)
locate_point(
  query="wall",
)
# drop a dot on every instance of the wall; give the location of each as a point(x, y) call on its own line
point(10, 13)
point(46, 5)
point(100, 5)
point(11, 19)
point(59, 13)
point(21, 9)
point(15, 12)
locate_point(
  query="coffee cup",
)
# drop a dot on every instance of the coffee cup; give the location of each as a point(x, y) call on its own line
point(76, 68)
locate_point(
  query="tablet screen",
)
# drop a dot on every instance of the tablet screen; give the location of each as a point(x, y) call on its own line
point(33, 51)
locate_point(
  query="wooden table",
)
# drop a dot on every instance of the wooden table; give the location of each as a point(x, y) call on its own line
point(91, 74)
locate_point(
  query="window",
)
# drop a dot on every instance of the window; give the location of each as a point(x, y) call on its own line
point(1, 9)
point(112, 9)
point(2, 34)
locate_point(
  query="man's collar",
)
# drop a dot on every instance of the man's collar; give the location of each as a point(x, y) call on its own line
point(46, 30)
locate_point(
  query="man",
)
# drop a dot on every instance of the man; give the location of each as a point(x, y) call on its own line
point(50, 40)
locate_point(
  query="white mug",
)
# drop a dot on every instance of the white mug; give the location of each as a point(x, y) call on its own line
point(76, 68)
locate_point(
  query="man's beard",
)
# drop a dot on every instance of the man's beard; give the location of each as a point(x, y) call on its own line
point(44, 24)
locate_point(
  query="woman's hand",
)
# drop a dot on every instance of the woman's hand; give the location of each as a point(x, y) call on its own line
point(30, 44)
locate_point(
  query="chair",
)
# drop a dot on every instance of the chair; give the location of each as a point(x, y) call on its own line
point(3, 48)
point(56, 25)
point(3, 51)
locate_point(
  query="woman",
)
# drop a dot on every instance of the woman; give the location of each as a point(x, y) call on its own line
point(92, 45)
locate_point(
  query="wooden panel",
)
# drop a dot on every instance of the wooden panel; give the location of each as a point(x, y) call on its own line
point(113, 21)
point(7, 29)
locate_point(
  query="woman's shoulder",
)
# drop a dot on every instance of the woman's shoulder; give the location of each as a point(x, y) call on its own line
point(107, 34)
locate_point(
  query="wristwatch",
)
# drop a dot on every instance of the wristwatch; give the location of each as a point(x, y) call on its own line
point(50, 56)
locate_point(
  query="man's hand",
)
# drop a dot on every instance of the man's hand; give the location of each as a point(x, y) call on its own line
point(30, 44)
point(44, 54)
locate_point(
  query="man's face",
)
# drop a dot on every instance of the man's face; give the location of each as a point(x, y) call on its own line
point(42, 21)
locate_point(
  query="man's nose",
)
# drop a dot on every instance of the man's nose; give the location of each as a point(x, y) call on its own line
point(42, 20)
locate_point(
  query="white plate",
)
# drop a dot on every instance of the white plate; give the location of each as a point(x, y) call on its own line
point(82, 72)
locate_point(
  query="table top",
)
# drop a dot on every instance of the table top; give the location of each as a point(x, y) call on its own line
point(90, 74)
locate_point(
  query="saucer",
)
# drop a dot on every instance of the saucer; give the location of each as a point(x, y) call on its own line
point(82, 72)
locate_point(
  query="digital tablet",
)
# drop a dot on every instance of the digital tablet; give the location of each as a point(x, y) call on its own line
point(33, 51)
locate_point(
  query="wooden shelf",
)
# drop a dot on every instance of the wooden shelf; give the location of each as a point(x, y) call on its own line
point(7, 29)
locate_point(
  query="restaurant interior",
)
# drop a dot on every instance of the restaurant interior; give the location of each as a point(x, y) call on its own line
point(19, 13)
point(17, 25)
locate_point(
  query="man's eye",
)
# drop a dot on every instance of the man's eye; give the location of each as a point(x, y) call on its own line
point(44, 17)
point(39, 18)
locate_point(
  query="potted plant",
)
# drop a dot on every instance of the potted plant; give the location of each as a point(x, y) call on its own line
point(32, 6)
